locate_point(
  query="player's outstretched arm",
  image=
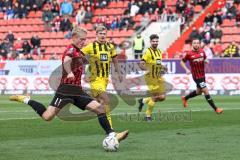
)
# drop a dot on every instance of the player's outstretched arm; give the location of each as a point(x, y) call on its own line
point(185, 67)
point(116, 66)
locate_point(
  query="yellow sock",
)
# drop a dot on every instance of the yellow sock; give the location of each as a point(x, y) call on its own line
point(107, 109)
point(146, 100)
point(150, 107)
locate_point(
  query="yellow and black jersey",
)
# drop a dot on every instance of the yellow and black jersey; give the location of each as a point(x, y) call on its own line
point(153, 59)
point(100, 56)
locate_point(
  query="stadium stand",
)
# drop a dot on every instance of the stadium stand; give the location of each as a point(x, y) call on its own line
point(119, 16)
point(223, 21)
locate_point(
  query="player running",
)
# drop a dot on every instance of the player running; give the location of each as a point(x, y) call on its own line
point(152, 62)
point(101, 53)
point(70, 90)
point(197, 59)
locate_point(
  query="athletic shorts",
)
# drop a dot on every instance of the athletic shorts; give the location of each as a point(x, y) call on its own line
point(201, 83)
point(98, 86)
point(73, 94)
point(155, 85)
point(138, 51)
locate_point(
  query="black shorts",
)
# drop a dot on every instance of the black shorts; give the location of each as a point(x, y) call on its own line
point(71, 94)
point(138, 51)
point(201, 83)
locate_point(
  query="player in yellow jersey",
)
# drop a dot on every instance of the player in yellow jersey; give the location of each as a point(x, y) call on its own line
point(101, 53)
point(152, 63)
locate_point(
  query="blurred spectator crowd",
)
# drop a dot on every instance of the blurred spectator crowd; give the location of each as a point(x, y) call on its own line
point(62, 15)
point(211, 32)
point(11, 48)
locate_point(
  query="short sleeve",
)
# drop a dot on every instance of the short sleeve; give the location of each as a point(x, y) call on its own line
point(69, 51)
point(145, 57)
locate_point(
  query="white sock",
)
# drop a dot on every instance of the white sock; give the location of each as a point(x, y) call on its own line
point(112, 134)
point(26, 100)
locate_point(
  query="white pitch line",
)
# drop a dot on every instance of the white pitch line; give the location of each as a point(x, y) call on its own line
point(118, 114)
point(23, 111)
point(163, 109)
point(8, 119)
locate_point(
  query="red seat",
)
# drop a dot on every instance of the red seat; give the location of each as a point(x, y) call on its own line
point(89, 26)
point(125, 4)
point(228, 23)
point(112, 4)
point(53, 35)
point(128, 33)
point(116, 33)
point(91, 34)
point(33, 14)
point(44, 35)
point(120, 4)
point(76, 6)
point(171, 2)
point(3, 22)
point(37, 21)
point(26, 35)
point(94, 19)
point(24, 21)
point(236, 38)
point(100, 11)
point(109, 34)
point(117, 12)
point(45, 42)
point(2, 35)
point(59, 35)
point(48, 50)
point(1, 15)
point(227, 38)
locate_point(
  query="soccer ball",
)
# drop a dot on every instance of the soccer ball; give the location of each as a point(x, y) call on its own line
point(110, 144)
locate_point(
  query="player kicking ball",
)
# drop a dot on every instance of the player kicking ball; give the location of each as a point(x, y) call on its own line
point(70, 90)
point(197, 59)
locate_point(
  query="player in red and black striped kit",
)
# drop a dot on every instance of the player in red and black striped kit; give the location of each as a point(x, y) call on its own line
point(197, 59)
point(70, 90)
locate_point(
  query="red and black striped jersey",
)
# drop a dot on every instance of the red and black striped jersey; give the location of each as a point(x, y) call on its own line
point(197, 63)
point(76, 65)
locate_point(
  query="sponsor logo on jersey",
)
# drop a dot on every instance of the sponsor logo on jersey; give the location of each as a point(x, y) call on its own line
point(103, 57)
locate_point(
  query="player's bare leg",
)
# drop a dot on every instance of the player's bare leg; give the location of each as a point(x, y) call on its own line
point(210, 101)
point(97, 108)
point(50, 113)
point(46, 114)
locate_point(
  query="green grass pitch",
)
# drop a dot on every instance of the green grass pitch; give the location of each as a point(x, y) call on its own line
point(196, 134)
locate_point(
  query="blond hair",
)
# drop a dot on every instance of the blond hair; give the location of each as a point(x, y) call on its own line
point(101, 28)
point(79, 31)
